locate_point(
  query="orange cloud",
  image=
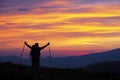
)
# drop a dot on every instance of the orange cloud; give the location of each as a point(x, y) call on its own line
point(68, 26)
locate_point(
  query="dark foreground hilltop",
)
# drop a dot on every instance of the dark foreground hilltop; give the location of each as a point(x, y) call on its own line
point(9, 71)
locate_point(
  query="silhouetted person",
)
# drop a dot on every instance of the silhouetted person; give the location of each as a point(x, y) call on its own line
point(35, 54)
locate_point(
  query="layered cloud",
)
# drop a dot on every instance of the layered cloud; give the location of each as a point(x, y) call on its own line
point(74, 27)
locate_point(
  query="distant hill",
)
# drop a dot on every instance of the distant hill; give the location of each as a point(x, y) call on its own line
point(72, 61)
point(14, 59)
point(104, 67)
point(82, 61)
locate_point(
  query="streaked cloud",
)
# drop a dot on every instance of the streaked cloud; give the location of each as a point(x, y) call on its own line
point(76, 26)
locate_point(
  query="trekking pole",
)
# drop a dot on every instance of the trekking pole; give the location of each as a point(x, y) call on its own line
point(50, 57)
point(22, 52)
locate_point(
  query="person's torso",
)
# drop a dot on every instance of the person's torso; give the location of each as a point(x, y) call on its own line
point(35, 51)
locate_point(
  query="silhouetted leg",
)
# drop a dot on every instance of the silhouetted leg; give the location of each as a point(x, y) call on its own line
point(37, 63)
point(33, 64)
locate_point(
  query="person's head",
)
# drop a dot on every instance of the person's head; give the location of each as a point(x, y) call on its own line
point(36, 44)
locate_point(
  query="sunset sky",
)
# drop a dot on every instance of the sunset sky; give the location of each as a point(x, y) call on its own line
point(73, 27)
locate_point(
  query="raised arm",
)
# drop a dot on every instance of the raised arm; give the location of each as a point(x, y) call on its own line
point(27, 45)
point(44, 46)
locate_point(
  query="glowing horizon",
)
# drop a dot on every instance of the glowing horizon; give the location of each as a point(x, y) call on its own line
point(73, 28)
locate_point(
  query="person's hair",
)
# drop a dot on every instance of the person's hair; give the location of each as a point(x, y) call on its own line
point(36, 44)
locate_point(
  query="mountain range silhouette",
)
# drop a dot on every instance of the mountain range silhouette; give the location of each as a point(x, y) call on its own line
point(71, 61)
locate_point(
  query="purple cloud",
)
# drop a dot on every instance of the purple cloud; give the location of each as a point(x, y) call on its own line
point(94, 1)
point(23, 9)
point(1, 2)
point(44, 7)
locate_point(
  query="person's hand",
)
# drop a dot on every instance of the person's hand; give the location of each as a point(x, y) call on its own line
point(25, 42)
point(48, 43)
